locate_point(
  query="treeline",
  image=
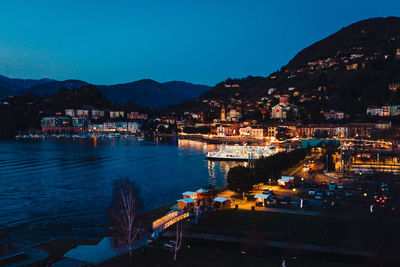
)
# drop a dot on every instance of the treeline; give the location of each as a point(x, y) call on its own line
point(22, 114)
point(197, 130)
point(242, 179)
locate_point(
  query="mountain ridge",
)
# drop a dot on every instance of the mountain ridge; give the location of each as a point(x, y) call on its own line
point(144, 92)
point(348, 70)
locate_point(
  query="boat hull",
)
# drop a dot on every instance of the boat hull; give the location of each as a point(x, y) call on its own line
point(226, 158)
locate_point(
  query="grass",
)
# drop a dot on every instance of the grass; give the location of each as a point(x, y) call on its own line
point(321, 230)
point(216, 254)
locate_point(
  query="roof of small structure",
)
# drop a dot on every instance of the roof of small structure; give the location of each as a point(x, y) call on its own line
point(261, 196)
point(221, 199)
point(187, 200)
point(188, 193)
point(202, 190)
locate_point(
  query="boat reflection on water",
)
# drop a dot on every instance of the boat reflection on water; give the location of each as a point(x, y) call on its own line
point(242, 152)
point(212, 166)
point(196, 145)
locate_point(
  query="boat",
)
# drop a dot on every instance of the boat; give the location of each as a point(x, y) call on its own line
point(241, 152)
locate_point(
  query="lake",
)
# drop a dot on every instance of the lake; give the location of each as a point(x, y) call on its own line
point(66, 184)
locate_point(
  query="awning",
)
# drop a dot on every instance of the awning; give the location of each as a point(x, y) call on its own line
point(261, 196)
point(188, 193)
point(187, 200)
point(221, 199)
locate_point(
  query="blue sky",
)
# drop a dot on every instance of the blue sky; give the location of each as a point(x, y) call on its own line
point(108, 42)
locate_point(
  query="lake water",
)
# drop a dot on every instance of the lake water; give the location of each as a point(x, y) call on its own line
point(44, 180)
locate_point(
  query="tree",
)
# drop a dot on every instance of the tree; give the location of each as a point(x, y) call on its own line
point(124, 215)
point(210, 193)
point(179, 238)
point(239, 179)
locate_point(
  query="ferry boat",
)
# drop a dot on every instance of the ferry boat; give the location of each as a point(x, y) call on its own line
point(241, 152)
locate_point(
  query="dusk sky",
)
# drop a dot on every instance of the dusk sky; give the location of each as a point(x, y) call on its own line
point(205, 42)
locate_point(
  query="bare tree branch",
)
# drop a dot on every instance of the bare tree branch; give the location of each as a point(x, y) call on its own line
point(124, 214)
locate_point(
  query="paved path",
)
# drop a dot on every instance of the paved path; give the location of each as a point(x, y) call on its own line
point(34, 255)
point(289, 211)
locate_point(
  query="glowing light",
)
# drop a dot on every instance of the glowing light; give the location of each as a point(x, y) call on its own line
point(164, 219)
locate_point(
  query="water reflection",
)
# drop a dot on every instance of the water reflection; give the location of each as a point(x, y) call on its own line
point(196, 145)
point(39, 178)
point(223, 166)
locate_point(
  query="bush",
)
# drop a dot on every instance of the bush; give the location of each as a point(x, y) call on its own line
point(240, 180)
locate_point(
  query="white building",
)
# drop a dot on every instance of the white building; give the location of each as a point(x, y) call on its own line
point(374, 111)
point(70, 112)
point(252, 132)
point(224, 130)
point(334, 115)
point(131, 127)
point(234, 115)
point(280, 111)
point(116, 114)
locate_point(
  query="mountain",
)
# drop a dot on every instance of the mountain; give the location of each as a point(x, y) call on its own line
point(348, 71)
point(152, 94)
point(368, 36)
point(10, 86)
point(52, 87)
point(147, 93)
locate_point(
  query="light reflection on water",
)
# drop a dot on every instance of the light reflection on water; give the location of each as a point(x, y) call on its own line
point(39, 178)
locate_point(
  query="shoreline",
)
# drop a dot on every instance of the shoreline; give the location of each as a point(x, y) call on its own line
point(218, 140)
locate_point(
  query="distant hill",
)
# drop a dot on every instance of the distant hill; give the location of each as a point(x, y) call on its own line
point(10, 86)
point(53, 87)
point(348, 71)
point(146, 92)
point(24, 112)
point(149, 93)
point(379, 35)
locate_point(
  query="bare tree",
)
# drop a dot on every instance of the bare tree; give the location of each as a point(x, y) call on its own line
point(124, 215)
point(179, 238)
point(210, 194)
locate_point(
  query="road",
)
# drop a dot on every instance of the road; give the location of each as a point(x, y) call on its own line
point(316, 176)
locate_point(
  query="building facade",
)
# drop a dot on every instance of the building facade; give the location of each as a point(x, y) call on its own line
point(252, 132)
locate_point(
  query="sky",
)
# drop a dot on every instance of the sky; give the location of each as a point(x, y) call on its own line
point(203, 42)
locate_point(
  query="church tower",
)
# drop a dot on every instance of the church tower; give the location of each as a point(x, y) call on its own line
point(223, 114)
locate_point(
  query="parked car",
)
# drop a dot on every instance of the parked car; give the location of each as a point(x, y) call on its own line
point(330, 193)
point(385, 187)
point(267, 191)
point(319, 195)
point(331, 186)
point(348, 193)
point(312, 192)
point(286, 200)
point(306, 204)
point(272, 202)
